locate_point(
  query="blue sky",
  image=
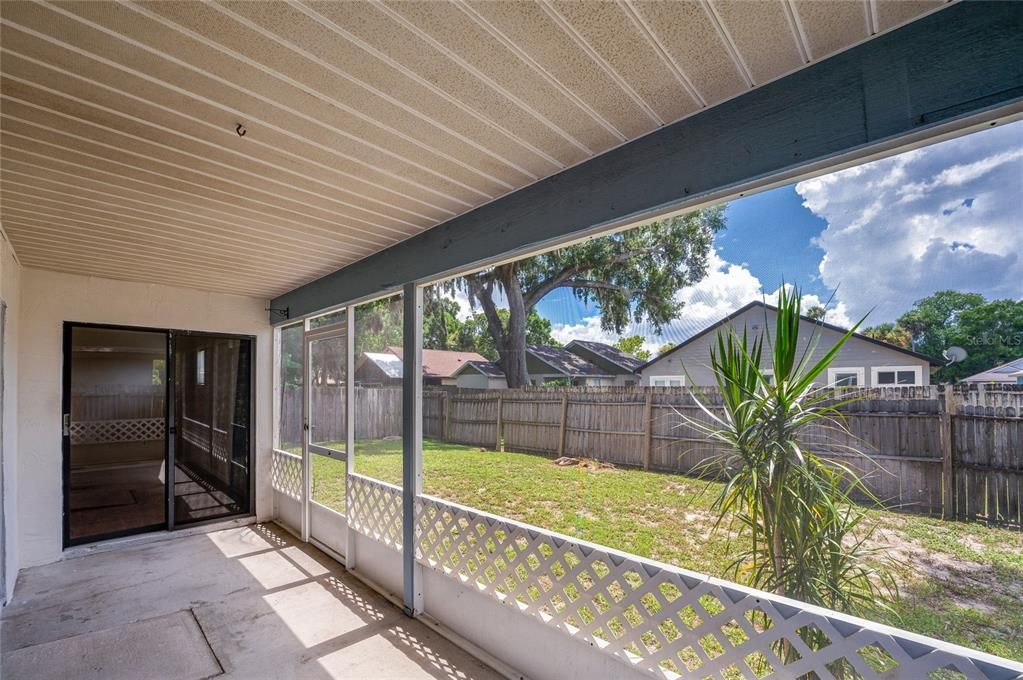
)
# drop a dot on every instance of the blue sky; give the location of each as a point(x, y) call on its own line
point(773, 234)
point(871, 239)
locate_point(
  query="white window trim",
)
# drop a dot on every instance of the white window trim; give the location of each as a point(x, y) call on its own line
point(666, 378)
point(858, 370)
point(918, 372)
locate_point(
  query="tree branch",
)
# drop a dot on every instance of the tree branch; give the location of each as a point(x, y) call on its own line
point(596, 285)
point(562, 278)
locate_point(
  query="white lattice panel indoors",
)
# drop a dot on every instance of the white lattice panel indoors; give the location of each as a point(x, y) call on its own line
point(286, 474)
point(374, 509)
point(668, 621)
point(113, 431)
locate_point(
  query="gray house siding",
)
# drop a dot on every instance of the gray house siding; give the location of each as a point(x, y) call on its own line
point(693, 359)
point(469, 378)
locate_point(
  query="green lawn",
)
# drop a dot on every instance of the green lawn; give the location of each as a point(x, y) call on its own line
point(958, 582)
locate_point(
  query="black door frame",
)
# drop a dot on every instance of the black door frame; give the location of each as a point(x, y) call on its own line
point(170, 429)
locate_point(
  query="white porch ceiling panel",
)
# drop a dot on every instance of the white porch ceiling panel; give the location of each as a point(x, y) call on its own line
point(365, 122)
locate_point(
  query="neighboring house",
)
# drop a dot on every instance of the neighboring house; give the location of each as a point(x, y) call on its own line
point(480, 375)
point(1010, 373)
point(545, 363)
point(440, 366)
point(614, 361)
point(378, 369)
point(862, 361)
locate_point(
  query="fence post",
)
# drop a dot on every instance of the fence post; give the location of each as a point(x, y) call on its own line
point(500, 423)
point(948, 495)
point(564, 420)
point(445, 416)
point(648, 425)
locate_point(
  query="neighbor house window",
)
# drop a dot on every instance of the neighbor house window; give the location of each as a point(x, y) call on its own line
point(846, 377)
point(768, 375)
point(667, 381)
point(200, 367)
point(896, 375)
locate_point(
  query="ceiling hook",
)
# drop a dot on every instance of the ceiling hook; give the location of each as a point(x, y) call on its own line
point(240, 129)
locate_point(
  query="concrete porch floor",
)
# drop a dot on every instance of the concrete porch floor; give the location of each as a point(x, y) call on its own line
point(248, 602)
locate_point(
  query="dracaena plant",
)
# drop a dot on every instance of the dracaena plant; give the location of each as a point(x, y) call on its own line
point(796, 530)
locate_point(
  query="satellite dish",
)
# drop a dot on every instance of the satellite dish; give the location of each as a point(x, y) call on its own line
point(954, 355)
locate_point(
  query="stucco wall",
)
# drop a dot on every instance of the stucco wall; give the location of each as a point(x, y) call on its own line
point(50, 298)
point(10, 294)
point(693, 359)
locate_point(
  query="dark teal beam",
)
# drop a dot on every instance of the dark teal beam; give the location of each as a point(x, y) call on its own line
point(961, 61)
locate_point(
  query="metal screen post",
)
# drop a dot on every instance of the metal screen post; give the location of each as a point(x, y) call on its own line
point(411, 441)
point(307, 472)
point(349, 337)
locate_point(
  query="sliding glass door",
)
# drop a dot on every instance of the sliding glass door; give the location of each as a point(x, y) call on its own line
point(114, 433)
point(157, 429)
point(212, 436)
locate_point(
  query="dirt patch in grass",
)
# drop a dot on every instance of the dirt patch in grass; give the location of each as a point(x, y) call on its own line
point(584, 463)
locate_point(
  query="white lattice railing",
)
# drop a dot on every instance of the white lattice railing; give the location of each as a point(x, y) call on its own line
point(374, 509)
point(112, 431)
point(286, 473)
point(669, 621)
point(666, 621)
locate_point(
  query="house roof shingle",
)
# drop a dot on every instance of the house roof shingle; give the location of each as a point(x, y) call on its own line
point(563, 361)
point(1004, 373)
point(609, 353)
point(441, 363)
point(487, 368)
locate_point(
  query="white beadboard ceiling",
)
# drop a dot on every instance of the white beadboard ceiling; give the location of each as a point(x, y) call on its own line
point(365, 122)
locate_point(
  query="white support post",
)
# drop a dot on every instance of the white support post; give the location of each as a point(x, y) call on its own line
point(307, 473)
point(276, 386)
point(412, 442)
point(349, 336)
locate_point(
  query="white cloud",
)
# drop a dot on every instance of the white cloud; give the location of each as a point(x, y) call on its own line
point(465, 309)
point(588, 328)
point(464, 306)
point(948, 216)
point(726, 288)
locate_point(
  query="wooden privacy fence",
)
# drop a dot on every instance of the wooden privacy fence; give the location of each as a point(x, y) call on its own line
point(952, 451)
point(378, 413)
